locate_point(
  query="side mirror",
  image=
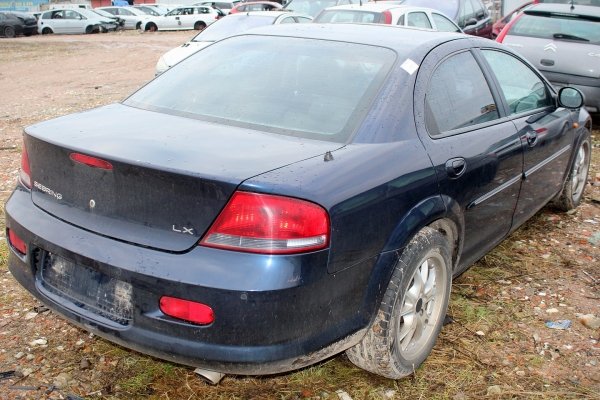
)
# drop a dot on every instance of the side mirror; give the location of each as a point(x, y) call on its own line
point(471, 21)
point(571, 98)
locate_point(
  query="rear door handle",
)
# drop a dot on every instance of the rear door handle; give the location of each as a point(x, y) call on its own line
point(455, 167)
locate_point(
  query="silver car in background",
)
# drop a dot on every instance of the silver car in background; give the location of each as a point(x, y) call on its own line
point(563, 42)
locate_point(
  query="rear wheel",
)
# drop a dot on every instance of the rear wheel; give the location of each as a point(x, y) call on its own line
point(412, 310)
point(47, 31)
point(199, 26)
point(9, 32)
point(89, 29)
point(151, 27)
point(572, 193)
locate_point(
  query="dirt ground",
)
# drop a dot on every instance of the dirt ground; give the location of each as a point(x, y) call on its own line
point(496, 344)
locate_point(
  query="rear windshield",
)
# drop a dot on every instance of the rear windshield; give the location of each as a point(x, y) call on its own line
point(291, 86)
point(448, 7)
point(348, 16)
point(233, 25)
point(557, 27)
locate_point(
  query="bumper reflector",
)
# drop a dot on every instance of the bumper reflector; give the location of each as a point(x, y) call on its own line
point(187, 310)
point(16, 242)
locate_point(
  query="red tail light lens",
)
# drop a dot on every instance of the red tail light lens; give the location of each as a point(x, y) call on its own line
point(387, 17)
point(187, 310)
point(25, 172)
point(267, 224)
point(16, 242)
point(91, 161)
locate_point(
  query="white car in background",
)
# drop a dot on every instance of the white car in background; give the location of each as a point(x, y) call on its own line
point(223, 5)
point(74, 21)
point(231, 25)
point(181, 18)
point(386, 13)
point(134, 18)
point(152, 9)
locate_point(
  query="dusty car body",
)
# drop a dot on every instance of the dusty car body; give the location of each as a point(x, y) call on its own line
point(317, 195)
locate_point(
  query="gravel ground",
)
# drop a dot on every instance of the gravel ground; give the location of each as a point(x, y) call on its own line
point(498, 344)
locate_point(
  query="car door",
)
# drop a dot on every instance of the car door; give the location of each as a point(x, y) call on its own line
point(475, 149)
point(172, 20)
point(74, 22)
point(546, 131)
point(58, 23)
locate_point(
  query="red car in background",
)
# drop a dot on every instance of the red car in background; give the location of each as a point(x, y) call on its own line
point(501, 23)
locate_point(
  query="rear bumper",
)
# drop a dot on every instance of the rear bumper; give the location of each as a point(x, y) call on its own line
point(272, 314)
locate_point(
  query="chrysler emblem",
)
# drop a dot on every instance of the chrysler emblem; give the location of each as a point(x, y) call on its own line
point(550, 46)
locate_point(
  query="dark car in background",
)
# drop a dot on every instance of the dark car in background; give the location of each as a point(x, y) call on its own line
point(29, 22)
point(10, 26)
point(563, 42)
point(292, 192)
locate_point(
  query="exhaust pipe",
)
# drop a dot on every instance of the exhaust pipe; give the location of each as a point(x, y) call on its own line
point(211, 377)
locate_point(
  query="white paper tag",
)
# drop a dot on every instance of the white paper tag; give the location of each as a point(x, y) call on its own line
point(410, 66)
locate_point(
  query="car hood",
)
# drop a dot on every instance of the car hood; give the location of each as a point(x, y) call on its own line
point(177, 54)
point(558, 55)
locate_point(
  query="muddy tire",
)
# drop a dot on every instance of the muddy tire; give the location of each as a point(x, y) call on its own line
point(151, 27)
point(199, 26)
point(9, 32)
point(89, 29)
point(572, 192)
point(138, 26)
point(412, 311)
point(47, 31)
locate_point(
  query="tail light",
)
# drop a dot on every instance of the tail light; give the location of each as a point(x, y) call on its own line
point(506, 28)
point(387, 17)
point(268, 224)
point(91, 161)
point(16, 242)
point(187, 310)
point(25, 172)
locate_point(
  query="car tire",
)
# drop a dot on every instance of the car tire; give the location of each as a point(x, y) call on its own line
point(412, 311)
point(151, 27)
point(572, 192)
point(138, 26)
point(9, 32)
point(199, 26)
point(47, 31)
point(89, 29)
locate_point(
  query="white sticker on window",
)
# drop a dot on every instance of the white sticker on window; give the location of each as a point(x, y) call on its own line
point(410, 66)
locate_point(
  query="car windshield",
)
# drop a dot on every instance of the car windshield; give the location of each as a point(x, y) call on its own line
point(231, 26)
point(448, 7)
point(557, 27)
point(348, 16)
point(310, 7)
point(290, 86)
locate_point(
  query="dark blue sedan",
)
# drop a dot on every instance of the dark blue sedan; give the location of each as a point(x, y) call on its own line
point(288, 194)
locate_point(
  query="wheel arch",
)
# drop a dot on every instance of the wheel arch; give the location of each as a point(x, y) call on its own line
point(438, 212)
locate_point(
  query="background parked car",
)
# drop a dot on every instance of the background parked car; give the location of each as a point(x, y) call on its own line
point(314, 7)
point(181, 18)
point(28, 20)
point(222, 5)
point(470, 15)
point(563, 42)
point(152, 9)
point(256, 6)
point(10, 26)
point(382, 13)
point(231, 25)
point(134, 18)
point(72, 20)
point(119, 21)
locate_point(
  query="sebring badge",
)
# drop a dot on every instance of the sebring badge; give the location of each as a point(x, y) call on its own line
point(47, 190)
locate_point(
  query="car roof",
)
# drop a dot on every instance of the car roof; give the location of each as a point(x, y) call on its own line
point(273, 14)
point(565, 9)
point(404, 40)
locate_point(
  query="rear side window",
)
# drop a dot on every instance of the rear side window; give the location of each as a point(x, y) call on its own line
point(419, 20)
point(458, 96)
point(523, 90)
point(290, 86)
point(554, 27)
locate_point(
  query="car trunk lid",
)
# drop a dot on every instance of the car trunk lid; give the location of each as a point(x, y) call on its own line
point(170, 176)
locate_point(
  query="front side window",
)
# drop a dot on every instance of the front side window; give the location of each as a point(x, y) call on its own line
point(419, 20)
point(458, 96)
point(443, 24)
point(522, 88)
point(289, 86)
